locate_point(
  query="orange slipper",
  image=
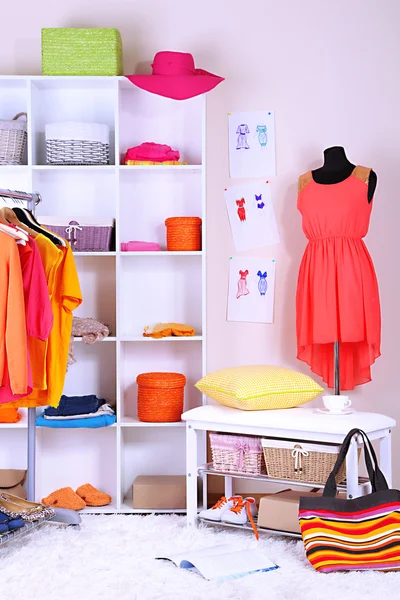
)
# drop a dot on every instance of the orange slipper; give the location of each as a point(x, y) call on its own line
point(64, 498)
point(93, 497)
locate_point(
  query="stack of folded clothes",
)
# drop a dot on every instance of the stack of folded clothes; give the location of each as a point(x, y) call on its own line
point(150, 153)
point(9, 414)
point(78, 411)
point(161, 330)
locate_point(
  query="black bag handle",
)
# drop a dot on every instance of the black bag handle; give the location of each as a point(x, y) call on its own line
point(376, 477)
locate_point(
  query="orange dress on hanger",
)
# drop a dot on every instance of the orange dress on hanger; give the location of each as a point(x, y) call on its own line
point(337, 292)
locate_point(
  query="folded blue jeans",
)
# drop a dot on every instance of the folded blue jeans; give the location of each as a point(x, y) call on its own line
point(75, 405)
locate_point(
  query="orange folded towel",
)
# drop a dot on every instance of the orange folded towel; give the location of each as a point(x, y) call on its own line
point(65, 498)
point(168, 329)
point(9, 415)
point(92, 496)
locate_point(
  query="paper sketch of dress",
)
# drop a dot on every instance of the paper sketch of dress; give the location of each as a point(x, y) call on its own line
point(241, 211)
point(262, 283)
point(260, 203)
point(242, 133)
point(242, 284)
point(262, 135)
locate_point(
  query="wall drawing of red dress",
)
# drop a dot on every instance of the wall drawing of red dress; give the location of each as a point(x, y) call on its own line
point(241, 210)
point(242, 284)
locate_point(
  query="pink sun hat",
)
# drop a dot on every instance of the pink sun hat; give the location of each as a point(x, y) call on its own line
point(175, 76)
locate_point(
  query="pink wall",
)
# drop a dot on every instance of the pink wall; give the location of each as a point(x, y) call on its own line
point(330, 71)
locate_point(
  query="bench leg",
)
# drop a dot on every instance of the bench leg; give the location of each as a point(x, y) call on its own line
point(205, 491)
point(228, 486)
point(191, 476)
point(352, 489)
point(385, 457)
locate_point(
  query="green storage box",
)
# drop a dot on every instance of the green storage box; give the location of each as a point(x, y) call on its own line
point(95, 51)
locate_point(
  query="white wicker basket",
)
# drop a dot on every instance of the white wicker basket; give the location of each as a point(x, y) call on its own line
point(12, 140)
point(77, 144)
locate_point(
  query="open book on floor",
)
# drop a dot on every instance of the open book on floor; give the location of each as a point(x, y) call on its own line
point(222, 562)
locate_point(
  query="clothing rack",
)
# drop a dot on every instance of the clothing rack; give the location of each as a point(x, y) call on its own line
point(11, 199)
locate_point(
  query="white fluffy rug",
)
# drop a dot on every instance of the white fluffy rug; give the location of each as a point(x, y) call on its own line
point(112, 558)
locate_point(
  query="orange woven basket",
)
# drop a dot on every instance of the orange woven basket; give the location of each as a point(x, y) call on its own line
point(183, 233)
point(160, 397)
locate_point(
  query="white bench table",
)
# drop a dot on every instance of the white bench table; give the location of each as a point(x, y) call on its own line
point(295, 424)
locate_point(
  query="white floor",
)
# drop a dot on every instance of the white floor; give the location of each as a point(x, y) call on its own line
point(112, 558)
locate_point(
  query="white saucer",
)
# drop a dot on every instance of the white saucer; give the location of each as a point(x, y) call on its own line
point(325, 411)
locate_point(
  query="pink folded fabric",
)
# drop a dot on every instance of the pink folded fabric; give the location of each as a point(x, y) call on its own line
point(140, 247)
point(152, 151)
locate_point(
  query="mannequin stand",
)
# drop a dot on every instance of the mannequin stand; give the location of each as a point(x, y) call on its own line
point(336, 366)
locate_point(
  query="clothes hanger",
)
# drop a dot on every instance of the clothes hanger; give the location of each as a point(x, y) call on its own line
point(8, 217)
point(14, 232)
point(26, 217)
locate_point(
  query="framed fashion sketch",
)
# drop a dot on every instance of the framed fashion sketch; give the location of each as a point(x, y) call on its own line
point(251, 290)
point(251, 144)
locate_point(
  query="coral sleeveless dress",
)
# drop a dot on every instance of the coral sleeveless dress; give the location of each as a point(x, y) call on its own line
point(337, 291)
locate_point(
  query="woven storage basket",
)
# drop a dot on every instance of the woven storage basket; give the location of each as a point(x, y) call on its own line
point(12, 140)
point(160, 397)
point(301, 461)
point(183, 233)
point(96, 51)
point(84, 234)
point(77, 144)
point(237, 454)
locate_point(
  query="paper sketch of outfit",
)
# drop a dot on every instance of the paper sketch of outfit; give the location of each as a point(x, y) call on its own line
point(260, 203)
point(262, 135)
point(242, 132)
point(262, 283)
point(242, 284)
point(241, 211)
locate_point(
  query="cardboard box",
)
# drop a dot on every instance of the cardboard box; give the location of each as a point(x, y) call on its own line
point(281, 511)
point(159, 491)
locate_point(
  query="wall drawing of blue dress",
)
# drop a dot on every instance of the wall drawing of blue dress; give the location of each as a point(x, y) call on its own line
point(242, 133)
point(262, 135)
point(262, 283)
point(259, 200)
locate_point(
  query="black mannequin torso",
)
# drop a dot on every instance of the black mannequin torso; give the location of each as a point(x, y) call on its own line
point(337, 168)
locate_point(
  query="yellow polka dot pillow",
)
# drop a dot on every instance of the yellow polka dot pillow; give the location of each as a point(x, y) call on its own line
point(261, 387)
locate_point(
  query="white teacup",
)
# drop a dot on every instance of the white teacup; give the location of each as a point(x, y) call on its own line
point(336, 404)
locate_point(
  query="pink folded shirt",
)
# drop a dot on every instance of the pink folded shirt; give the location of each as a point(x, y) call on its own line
point(152, 151)
point(140, 247)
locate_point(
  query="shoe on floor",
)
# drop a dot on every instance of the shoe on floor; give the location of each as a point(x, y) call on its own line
point(65, 498)
point(215, 512)
point(240, 512)
point(92, 496)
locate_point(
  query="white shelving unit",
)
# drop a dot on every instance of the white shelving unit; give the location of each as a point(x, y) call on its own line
point(125, 290)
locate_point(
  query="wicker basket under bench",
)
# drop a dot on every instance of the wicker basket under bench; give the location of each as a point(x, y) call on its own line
point(293, 460)
point(297, 460)
point(237, 454)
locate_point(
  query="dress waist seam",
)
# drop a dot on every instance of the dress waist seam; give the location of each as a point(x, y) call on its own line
point(329, 237)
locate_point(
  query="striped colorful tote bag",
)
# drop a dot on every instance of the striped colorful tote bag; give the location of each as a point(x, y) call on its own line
point(358, 534)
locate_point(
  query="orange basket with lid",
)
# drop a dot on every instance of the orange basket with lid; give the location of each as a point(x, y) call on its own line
point(183, 233)
point(160, 397)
